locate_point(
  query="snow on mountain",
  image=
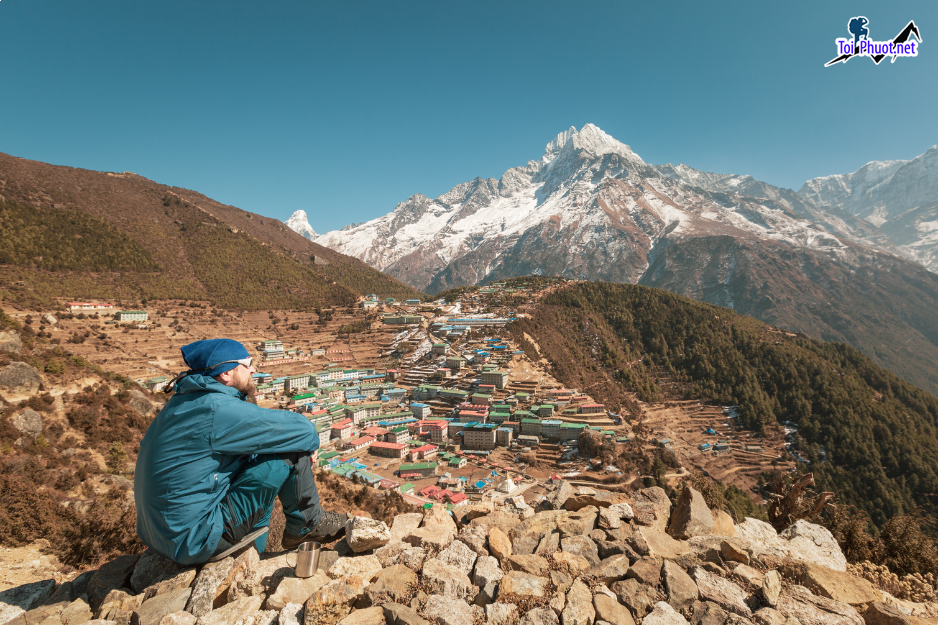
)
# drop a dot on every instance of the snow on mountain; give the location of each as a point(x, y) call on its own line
point(589, 207)
point(300, 224)
point(896, 196)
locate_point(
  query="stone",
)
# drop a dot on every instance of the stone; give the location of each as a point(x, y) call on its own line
point(663, 614)
point(434, 537)
point(334, 601)
point(40, 614)
point(883, 614)
point(111, 575)
point(708, 613)
point(535, 565)
point(652, 508)
point(19, 599)
point(499, 544)
point(540, 616)
point(561, 581)
point(182, 579)
point(815, 544)
point(388, 555)
point(397, 614)
point(722, 524)
point(291, 614)
point(798, 602)
point(365, 567)
point(609, 548)
point(578, 523)
point(542, 523)
point(768, 616)
point(140, 403)
point(749, 575)
point(611, 569)
point(500, 613)
point(637, 597)
point(681, 589)
point(363, 534)
point(691, 516)
point(69, 591)
point(232, 613)
point(548, 545)
point(295, 590)
point(832, 584)
point(395, 584)
point(558, 602)
point(261, 577)
point(611, 611)
point(78, 611)
point(366, 616)
point(265, 617)
point(437, 515)
point(403, 524)
point(458, 554)
point(413, 558)
point(756, 530)
point(28, 422)
point(486, 575)
point(328, 557)
point(732, 552)
point(153, 568)
point(464, 514)
point(505, 521)
point(556, 499)
point(611, 517)
point(151, 612)
point(445, 579)
point(647, 541)
point(179, 618)
point(620, 533)
point(206, 586)
point(10, 342)
point(771, 587)
point(581, 546)
point(526, 545)
point(119, 606)
point(18, 380)
point(579, 608)
point(448, 611)
point(523, 585)
point(476, 538)
point(646, 570)
point(721, 591)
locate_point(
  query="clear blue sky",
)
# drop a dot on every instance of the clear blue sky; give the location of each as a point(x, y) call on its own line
point(343, 109)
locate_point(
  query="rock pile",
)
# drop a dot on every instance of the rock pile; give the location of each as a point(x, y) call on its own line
point(583, 557)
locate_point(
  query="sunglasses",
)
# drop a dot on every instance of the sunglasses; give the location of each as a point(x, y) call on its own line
point(244, 361)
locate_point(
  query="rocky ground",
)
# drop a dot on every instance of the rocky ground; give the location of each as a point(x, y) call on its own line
point(581, 557)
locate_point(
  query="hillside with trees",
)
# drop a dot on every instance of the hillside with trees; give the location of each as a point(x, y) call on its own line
point(868, 435)
point(83, 234)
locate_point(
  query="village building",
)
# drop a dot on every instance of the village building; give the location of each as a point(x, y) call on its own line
point(359, 412)
point(131, 315)
point(498, 379)
point(418, 470)
point(388, 450)
point(359, 443)
point(479, 437)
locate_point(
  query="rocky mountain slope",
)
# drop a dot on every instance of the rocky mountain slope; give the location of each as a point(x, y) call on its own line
point(590, 208)
point(585, 557)
point(899, 197)
point(183, 245)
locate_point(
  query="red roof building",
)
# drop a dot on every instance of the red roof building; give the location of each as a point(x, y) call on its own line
point(389, 450)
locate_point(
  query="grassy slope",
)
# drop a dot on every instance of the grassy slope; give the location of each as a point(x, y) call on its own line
point(195, 242)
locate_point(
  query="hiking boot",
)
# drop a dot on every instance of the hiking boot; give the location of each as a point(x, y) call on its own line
point(331, 527)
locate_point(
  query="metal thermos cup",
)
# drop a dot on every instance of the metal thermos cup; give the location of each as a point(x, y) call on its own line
point(307, 559)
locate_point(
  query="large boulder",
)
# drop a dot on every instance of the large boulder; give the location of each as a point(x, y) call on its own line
point(458, 554)
point(499, 544)
point(524, 585)
point(295, 590)
point(578, 609)
point(19, 380)
point(445, 579)
point(28, 422)
point(681, 589)
point(19, 599)
point(647, 541)
point(581, 546)
point(611, 517)
point(831, 584)
point(611, 611)
point(637, 597)
point(448, 611)
point(814, 544)
point(153, 568)
point(363, 534)
point(151, 612)
point(652, 508)
point(111, 575)
point(403, 524)
point(663, 614)
point(723, 524)
point(800, 603)
point(365, 567)
point(578, 523)
point(691, 516)
point(722, 592)
point(392, 584)
point(486, 575)
point(556, 499)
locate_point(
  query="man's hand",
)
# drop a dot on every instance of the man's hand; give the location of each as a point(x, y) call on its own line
point(314, 457)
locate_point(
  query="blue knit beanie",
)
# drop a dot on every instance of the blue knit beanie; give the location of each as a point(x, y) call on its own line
point(203, 356)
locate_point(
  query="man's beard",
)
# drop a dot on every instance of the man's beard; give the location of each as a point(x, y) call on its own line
point(248, 387)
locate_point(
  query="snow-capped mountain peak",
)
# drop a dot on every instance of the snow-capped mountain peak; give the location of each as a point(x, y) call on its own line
point(300, 224)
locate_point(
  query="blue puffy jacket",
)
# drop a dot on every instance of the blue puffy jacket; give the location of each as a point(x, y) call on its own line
point(189, 455)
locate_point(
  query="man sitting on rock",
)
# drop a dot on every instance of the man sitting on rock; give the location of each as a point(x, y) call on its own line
point(211, 464)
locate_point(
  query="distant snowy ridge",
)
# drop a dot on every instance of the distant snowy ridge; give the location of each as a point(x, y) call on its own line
point(588, 208)
point(300, 224)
